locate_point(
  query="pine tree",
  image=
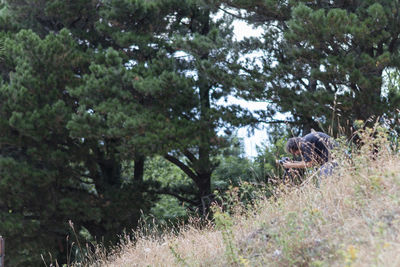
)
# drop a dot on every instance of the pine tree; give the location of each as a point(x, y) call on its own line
point(210, 54)
point(160, 92)
point(39, 77)
point(324, 59)
point(40, 189)
point(48, 177)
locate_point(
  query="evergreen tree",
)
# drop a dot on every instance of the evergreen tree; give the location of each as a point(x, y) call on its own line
point(163, 93)
point(39, 164)
point(92, 167)
point(48, 177)
point(324, 59)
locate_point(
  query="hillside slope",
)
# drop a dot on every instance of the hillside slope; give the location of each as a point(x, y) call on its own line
point(351, 219)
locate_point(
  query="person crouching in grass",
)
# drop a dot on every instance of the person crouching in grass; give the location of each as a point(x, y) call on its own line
point(314, 149)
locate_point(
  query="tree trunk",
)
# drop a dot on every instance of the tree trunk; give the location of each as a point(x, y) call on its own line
point(139, 168)
point(205, 196)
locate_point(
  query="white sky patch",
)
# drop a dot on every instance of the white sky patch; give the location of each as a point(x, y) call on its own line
point(254, 138)
point(390, 77)
point(241, 31)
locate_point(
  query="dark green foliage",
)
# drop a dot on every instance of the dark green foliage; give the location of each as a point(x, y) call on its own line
point(160, 92)
point(176, 190)
point(324, 60)
point(40, 189)
point(47, 176)
point(238, 180)
point(44, 16)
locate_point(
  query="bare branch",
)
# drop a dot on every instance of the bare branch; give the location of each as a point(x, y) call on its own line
point(183, 167)
point(276, 121)
point(180, 198)
point(190, 155)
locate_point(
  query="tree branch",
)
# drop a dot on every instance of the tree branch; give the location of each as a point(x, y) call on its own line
point(277, 121)
point(183, 167)
point(231, 14)
point(180, 198)
point(189, 155)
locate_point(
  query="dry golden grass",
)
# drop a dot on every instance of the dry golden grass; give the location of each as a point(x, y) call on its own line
point(351, 219)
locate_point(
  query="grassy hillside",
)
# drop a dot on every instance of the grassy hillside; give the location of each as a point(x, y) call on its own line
point(351, 219)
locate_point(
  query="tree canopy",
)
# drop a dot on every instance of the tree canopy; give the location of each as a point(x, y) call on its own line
point(323, 61)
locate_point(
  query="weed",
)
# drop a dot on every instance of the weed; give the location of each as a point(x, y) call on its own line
point(350, 255)
point(224, 223)
point(179, 259)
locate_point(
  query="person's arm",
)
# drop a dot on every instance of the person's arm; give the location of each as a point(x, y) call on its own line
point(297, 164)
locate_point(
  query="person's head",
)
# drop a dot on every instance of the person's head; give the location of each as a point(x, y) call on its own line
point(293, 145)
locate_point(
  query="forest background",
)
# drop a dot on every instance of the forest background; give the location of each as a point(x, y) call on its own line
point(116, 111)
